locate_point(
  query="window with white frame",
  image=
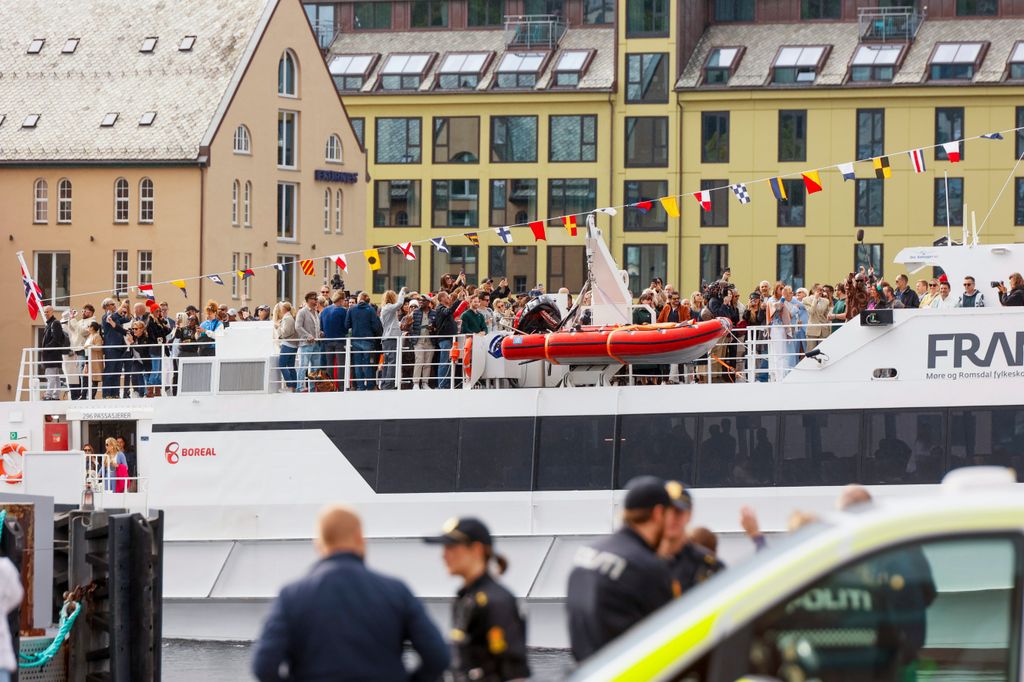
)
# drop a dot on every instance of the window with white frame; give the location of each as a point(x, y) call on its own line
point(147, 118)
point(145, 267)
point(70, 45)
point(64, 201)
point(243, 142)
point(350, 70)
point(286, 277)
point(247, 282)
point(287, 207)
point(1016, 61)
point(798, 64)
point(287, 131)
point(403, 71)
point(461, 71)
point(327, 211)
point(120, 274)
point(148, 44)
point(337, 212)
point(53, 275)
point(247, 205)
point(186, 44)
point(236, 260)
point(109, 119)
point(36, 46)
point(519, 69)
point(875, 62)
point(287, 75)
point(121, 195)
point(40, 202)
point(955, 61)
point(332, 150)
point(234, 202)
point(30, 121)
point(721, 64)
point(569, 67)
point(147, 200)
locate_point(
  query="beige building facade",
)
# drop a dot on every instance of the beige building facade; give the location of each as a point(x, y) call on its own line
point(217, 143)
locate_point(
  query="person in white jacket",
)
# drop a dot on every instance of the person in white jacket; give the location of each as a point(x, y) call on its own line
point(76, 326)
point(391, 305)
point(944, 299)
point(11, 594)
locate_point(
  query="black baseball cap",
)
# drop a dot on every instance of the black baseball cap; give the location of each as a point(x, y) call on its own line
point(647, 492)
point(462, 531)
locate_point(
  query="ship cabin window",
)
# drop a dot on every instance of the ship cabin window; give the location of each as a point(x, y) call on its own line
point(875, 63)
point(955, 61)
point(349, 71)
point(461, 70)
point(721, 65)
point(799, 65)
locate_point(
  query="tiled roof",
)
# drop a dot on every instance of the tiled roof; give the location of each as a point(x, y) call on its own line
point(600, 75)
point(108, 73)
point(763, 41)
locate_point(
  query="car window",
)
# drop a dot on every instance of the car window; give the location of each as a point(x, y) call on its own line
point(942, 609)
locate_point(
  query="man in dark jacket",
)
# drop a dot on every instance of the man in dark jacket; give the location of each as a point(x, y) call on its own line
point(54, 340)
point(345, 622)
point(444, 328)
point(908, 297)
point(362, 321)
point(112, 330)
point(619, 580)
point(332, 325)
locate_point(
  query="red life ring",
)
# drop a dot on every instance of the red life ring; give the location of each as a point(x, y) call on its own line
point(11, 449)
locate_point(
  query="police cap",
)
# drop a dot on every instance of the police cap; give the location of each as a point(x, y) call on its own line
point(462, 531)
point(647, 492)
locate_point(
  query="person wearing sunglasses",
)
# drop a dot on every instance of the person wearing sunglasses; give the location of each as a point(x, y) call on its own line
point(927, 291)
point(971, 298)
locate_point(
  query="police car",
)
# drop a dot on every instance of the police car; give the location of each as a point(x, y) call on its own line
point(928, 588)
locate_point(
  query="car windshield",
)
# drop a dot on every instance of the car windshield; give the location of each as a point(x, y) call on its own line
point(656, 627)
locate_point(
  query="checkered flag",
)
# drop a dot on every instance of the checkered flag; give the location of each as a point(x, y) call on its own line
point(741, 193)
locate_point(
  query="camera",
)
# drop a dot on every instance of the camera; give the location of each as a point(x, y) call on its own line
point(337, 283)
point(994, 284)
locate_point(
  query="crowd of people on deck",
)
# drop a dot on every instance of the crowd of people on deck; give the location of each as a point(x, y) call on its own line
point(129, 349)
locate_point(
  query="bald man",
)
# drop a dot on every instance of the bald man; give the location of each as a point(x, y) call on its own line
point(345, 622)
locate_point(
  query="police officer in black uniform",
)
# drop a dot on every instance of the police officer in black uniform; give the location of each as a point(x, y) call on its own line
point(618, 580)
point(488, 633)
point(689, 563)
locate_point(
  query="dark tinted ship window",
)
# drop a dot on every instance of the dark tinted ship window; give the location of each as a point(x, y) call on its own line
point(904, 447)
point(496, 454)
point(737, 450)
point(418, 456)
point(575, 453)
point(660, 445)
point(994, 437)
point(359, 442)
point(819, 448)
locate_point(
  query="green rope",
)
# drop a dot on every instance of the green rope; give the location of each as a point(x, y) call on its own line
point(41, 658)
point(3, 520)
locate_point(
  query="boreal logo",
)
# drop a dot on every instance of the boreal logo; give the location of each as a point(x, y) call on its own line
point(171, 452)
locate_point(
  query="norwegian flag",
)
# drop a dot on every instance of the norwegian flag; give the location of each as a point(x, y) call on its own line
point(406, 250)
point(33, 294)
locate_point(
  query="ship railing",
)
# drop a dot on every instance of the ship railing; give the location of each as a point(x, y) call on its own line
point(104, 489)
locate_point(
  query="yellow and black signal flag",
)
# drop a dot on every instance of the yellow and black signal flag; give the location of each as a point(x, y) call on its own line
point(881, 166)
point(473, 238)
point(372, 258)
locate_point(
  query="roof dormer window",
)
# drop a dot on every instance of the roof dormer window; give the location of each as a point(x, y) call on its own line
point(1017, 61)
point(147, 118)
point(148, 44)
point(70, 45)
point(570, 67)
point(875, 63)
point(799, 64)
point(36, 46)
point(955, 61)
point(520, 69)
point(30, 121)
point(404, 71)
point(350, 70)
point(186, 44)
point(109, 120)
point(721, 65)
point(461, 70)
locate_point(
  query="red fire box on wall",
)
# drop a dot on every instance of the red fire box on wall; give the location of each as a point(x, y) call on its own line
point(55, 436)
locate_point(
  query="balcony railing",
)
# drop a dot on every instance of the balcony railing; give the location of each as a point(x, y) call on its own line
point(889, 24)
point(325, 33)
point(535, 30)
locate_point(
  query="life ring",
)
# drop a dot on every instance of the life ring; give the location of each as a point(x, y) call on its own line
point(7, 453)
point(467, 359)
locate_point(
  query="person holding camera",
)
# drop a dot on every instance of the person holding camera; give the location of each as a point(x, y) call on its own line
point(1015, 296)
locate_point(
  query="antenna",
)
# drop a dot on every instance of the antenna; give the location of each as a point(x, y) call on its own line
point(974, 230)
point(963, 223)
point(949, 234)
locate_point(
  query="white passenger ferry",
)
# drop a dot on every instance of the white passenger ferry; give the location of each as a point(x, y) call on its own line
point(241, 469)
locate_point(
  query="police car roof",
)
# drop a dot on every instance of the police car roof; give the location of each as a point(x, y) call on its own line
point(972, 499)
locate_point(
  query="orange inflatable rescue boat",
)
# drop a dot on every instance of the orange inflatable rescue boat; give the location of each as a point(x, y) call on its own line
point(665, 343)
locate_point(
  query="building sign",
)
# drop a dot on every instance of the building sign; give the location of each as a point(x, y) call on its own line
point(335, 176)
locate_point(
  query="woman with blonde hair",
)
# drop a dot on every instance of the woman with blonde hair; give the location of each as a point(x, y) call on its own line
point(285, 334)
point(779, 319)
point(207, 328)
point(113, 470)
point(390, 309)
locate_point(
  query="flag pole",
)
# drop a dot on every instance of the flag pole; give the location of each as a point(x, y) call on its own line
point(949, 234)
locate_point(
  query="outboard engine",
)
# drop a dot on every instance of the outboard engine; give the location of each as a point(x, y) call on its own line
point(540, 316)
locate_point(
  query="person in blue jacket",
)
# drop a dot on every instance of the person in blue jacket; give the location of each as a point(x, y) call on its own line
point(366, 328)
point(332, 326)
point(343, 622)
